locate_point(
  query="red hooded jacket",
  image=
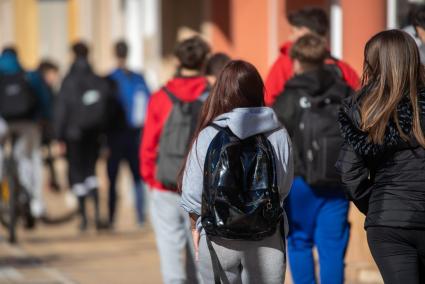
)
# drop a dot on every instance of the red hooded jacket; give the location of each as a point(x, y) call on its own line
point(282, 71)
point(185, 88)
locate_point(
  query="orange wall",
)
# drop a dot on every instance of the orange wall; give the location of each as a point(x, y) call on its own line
point(240, 27)
point(361, 20)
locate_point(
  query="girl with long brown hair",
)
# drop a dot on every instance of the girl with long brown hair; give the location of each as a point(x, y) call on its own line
point(382, 162)
point(235, 109)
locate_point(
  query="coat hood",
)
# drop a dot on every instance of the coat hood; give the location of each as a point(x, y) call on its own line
point(286, 47)
point(316, 82)
point(187, 88)
point(246, 122)
point(9, 63)
point(80, 67)
point(349, 119)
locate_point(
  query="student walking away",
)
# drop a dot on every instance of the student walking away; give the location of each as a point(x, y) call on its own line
point(383, 157)
point(81, 112)
point(132, 95)
point(415, 26)
point(317, 207)
point(21, 109)
point(307, 20)
point(44, 81)
point(214, 65)
point(237, 176)
point(171, 119)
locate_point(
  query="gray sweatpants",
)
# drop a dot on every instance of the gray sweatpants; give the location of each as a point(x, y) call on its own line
point(173, 237)
point(259, 262)
point(27, 153)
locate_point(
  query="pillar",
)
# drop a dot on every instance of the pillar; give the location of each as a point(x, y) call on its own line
point(361, 20)
point(26, 31)
point(7, 29)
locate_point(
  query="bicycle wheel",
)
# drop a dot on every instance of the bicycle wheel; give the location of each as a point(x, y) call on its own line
point(8, 202)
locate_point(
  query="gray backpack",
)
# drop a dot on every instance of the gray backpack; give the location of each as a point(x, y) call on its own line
point(176, 137)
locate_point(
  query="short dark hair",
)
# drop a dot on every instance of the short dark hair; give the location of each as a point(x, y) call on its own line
point(419, 17)
point(80, 49)
point(10, 49)
point(216, 63)
point(313, 18)
point(310, 49)
point(47, 65)
point(192, 53)
point(121, 49)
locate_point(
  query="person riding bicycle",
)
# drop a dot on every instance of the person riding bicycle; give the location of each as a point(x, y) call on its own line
point(19, 106)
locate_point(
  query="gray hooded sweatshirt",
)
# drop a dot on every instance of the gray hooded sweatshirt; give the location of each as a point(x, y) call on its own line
point(243, 122)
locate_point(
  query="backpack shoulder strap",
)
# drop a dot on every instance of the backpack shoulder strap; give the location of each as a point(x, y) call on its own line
point(170, 95)
point(225, 129)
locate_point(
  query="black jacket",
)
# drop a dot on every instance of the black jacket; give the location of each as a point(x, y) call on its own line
point(386, 182)
point(66, 108)
point(324, 82)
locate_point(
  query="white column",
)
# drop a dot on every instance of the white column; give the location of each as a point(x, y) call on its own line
point(86, 16)
point(392, 14)
point(117, 20)
point(336, 28)
point(6, 23)
point(152, 41)
point(273, 26)
point(134, 33)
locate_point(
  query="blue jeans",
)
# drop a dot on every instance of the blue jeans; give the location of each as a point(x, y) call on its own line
point(317, 217)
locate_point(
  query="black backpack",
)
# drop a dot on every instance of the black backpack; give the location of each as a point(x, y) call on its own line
point(17, 101)
point(240, 199)
point(176, 137)
point(320, 137)
point(92, 104)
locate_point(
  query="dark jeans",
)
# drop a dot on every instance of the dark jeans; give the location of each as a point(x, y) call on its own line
point(82, 157)
point(124, 145)
point(399, 254)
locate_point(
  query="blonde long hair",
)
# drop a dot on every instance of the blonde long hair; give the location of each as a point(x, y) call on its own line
point(391, 70)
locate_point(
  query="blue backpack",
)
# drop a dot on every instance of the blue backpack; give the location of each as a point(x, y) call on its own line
point(133, 95)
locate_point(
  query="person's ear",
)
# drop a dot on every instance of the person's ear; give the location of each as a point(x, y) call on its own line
point(297, 67)
point(421, 34)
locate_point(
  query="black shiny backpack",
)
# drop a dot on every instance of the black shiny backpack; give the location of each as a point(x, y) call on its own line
point(240, 198)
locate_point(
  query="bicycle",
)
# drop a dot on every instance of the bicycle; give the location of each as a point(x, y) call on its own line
point(14, 199)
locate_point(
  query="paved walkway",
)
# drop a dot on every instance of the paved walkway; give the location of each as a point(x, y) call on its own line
point(60, 254)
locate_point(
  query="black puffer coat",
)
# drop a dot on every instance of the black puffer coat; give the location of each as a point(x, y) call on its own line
point(386, 182)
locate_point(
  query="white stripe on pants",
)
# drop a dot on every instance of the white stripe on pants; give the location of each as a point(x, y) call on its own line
point(27, 153)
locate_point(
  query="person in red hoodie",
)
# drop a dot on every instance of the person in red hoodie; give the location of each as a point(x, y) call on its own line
point(170, 223)
point(303, 21)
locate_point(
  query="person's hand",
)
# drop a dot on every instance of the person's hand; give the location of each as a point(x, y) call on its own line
point(195, 238)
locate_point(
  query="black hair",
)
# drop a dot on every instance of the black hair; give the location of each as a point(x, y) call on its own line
point(80, 49)
point(47, 65)
point(121, 49)
point(419, 17)
point(216, 63)
point(313, 18)
point(10, 49)
point(192, 53)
